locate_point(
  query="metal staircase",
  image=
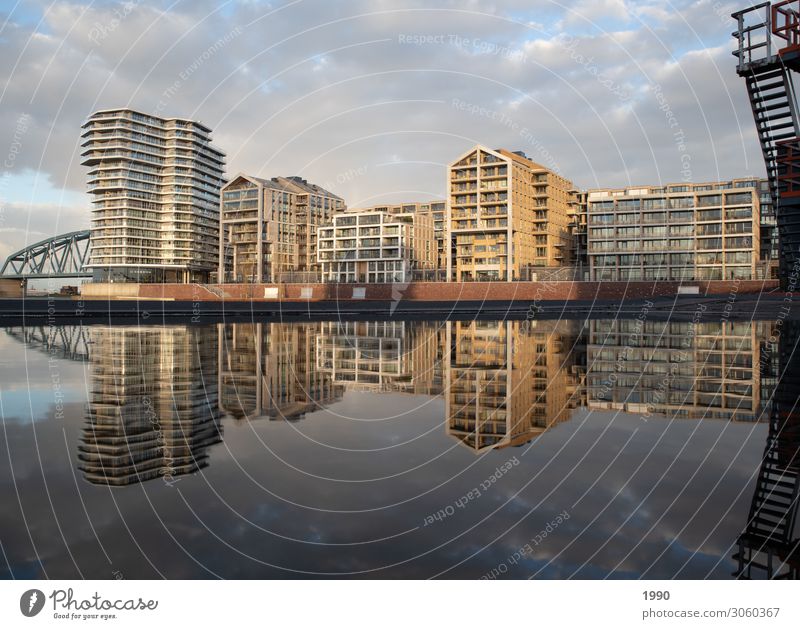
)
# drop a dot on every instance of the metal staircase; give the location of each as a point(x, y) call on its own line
point(768, 547)
point(772, 99)
point(768, 54)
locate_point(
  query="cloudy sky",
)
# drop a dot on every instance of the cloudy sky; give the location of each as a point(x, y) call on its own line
point(372, 98)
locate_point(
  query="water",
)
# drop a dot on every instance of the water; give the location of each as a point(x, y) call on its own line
point(599, 449)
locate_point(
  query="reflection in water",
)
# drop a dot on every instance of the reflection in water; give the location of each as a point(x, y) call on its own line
point(269, 370)
point(504, 383)
point(381, 356)
point(703, 371)
point(152, 403)
point(156, 392)
point(507, 382)
point(769, 546)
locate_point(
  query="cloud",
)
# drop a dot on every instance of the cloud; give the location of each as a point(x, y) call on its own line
point(320, 89)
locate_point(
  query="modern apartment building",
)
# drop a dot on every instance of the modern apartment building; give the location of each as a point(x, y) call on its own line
point(155, 185)
point(376, 246)
point(438, 211)
point(508, 216)
point(676, 232)
point(268, 228)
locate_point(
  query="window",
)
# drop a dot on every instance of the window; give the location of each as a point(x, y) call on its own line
point(739, 242)
point(738, 273)
point(683, 244)
point(709, 273)
point(709, 215)
point(681, 202)
point(739, 198)
point(605, 260)
point(681, 259)
point(654, 217)
point(709, 258)
point(681, 230)
point(709, 243)
point(745, 227)
point(708, 200)
point(709, 229)
point(628, 204)
point(654, 204)
point(738, 257)
point(740, 212)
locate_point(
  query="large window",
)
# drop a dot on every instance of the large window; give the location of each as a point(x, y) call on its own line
point(739, 212)
point(709, 243)
point(601, 218)
point(709, 200)
point(654, 204)
point(681, 202)
point(739, 198)
point(738, 257)
point(709, 258)
point(739, 242)
point(709, 215)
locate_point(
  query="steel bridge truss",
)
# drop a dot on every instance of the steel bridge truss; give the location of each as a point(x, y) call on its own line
point(65, 255)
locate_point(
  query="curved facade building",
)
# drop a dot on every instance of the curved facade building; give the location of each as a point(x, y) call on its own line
point(155, 186)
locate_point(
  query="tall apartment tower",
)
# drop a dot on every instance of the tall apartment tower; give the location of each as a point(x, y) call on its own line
point(508, 216)
point(155, 186)
point(268, 229)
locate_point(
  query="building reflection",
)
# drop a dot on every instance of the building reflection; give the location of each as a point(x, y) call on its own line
point(708, 370)
point(157, 392)
point(381, 356)
point(508, 382)
point(152, 408)
point(269, 370)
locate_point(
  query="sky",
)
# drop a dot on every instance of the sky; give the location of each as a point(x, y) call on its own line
point(372, 98)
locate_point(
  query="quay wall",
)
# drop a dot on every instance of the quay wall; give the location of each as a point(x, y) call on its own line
point(422, 291)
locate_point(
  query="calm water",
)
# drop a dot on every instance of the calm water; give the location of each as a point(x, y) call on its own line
point(597, 449)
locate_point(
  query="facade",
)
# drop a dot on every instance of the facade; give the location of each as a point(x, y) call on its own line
point(438, 212)
point(268, 228)
point(770, 252)
point(155, 185)
point(579, 257)
point(376, 246)
point(508, 216)
point(675, 232)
